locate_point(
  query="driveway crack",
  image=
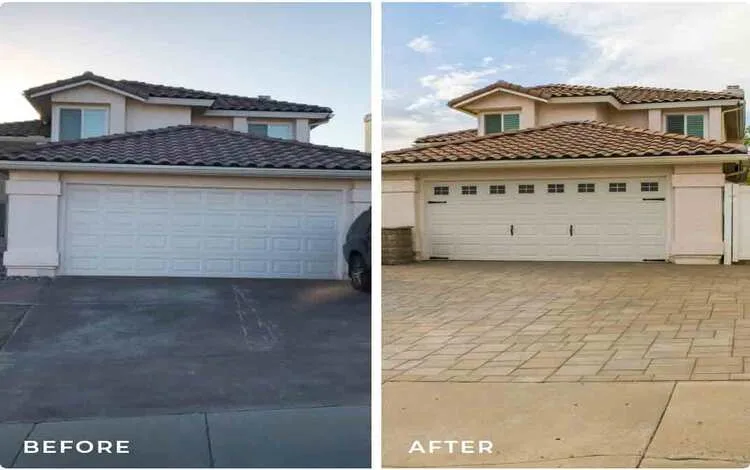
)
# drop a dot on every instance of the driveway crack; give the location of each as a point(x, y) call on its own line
point(259, 334)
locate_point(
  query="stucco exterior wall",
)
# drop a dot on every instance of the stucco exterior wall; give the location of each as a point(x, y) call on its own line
point(505, 102)
point(636, 118)
point(214, 121)
point(142, 116)
point(698, 214)
point(90, 95)
point(551, 113)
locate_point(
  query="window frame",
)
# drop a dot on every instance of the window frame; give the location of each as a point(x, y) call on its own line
point(502, 115)
point(441, 187)
point(530, 186)
point(497, 189)
point(469, 190)
point(83, 108)
point(586, 186)
point(616, 184)
point(555, 188)
point(650, 187)
point(684, 115)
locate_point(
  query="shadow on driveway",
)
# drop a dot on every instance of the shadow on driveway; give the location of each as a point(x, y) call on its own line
point(89, 347)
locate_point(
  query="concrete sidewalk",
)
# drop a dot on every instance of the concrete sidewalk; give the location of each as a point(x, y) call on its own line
point(640, 424)
point(303, 437)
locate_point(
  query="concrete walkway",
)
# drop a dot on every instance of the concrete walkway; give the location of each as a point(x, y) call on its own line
point(303, 437)
point(665, 424)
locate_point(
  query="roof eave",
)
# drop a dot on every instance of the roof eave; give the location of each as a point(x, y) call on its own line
point(558, 162)
point(460, 102)
point(186, 170)
point(78, 83)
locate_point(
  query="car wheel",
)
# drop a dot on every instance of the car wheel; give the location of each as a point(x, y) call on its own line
point(358, 273)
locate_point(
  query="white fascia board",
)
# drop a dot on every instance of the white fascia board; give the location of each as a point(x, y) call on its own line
point(185, 170)
point(582, 162)
point(180, 101)
point(265, 114)
point(495, 90)
point(682, 104)
point(87, 82)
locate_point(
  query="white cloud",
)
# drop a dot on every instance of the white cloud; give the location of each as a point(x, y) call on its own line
point(422, 44)
point(427, 114)
point(487, 60)
point(672, 45)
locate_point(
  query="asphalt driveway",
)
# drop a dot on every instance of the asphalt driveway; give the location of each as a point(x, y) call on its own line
point(108, 347)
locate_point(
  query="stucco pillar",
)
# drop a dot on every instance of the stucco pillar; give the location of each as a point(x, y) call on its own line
point(654, 119)
point(360, 197)
point(697, 235)
point(714, 123)
point(302, 130)
point(33, 204)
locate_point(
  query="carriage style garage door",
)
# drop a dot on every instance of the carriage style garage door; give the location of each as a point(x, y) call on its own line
point(576, 220)
point(149, 231)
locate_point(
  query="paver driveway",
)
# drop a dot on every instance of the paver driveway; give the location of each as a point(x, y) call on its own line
point(561, 322)
point(84, 347)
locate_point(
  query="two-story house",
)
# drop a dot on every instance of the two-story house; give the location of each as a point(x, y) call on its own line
point(569, 172)
point(120, 177)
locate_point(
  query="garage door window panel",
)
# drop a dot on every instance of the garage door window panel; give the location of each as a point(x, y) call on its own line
point(525, 189)
point(497, 189)
point(555, 188)
point(649, 186)
point(469, 190)
point(441, 191)
point(586, 187)
point(618, 187)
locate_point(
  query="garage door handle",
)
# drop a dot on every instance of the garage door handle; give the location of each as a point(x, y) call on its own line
point(511, 230)
point(654, 199)
point(571, 230)
point(437, 202)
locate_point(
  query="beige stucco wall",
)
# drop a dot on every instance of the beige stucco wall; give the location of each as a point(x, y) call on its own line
point(549, 113)
point(214, 121)
point(142, 116)
point(90, 95)
point(502, 101)
point(694, 201)
point(636, 118)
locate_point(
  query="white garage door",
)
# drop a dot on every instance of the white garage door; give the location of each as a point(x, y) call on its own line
point(618, 219)
point(146, 231)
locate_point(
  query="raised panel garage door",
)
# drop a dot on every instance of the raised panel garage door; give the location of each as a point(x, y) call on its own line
point(615, 219)
point(149, 231)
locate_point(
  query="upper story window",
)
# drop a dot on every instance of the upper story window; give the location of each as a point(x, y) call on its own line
point(80, 123)
point(501, 122)
point(686, 124)
point(278, 131)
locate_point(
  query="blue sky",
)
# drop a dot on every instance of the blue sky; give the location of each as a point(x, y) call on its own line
point(435, 52)
point(308, 53)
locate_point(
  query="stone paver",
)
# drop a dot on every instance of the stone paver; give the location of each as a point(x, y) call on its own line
point(555, 322)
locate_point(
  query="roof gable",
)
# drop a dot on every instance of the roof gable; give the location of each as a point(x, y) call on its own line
point(623, 94)
point(143, 91)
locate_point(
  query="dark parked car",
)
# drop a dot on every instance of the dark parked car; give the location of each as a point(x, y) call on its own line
point(357, 251)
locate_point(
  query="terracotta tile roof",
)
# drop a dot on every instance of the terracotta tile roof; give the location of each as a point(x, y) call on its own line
point(624, 94)
point(196, 146)
point(24, 128)
point(565, 140)
point(447, 136)
point(222, 101)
